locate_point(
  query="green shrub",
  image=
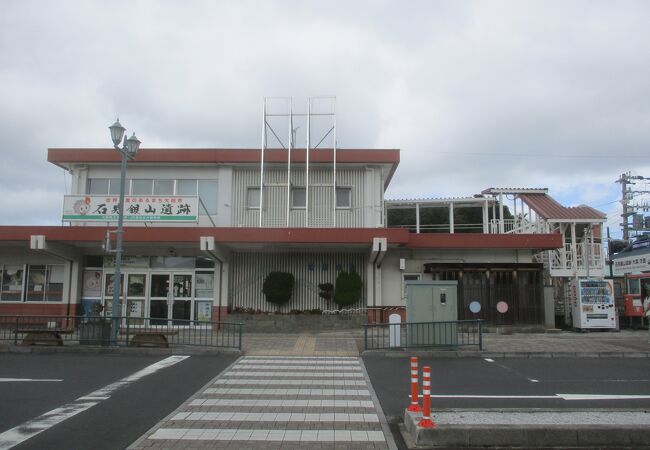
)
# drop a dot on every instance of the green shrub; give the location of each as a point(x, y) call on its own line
point(326, 291)
point(348, 288)
point(278, 287)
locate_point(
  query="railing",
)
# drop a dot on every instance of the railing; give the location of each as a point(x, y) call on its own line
point(563, 258)
point(516, 226)
point(84, 330)
point(451, 334)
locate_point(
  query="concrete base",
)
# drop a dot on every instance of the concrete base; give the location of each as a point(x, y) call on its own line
point(296, 323)
point(524, 435)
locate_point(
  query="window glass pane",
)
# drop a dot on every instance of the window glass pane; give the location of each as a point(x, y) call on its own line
point(172, 262)
point(208, 195)
point(204, 263)
point(204, 285)
point(298, 197)
point(114, 186)
point(54, 288)
point(633, 286)
point(12, 283)
point(253, 197)
point(185, 187)
point(163, 187)
point(343, 197)
point(35, 283)
point(136, 285)
point(98, 186)
point(108, 287)
point(141, 187)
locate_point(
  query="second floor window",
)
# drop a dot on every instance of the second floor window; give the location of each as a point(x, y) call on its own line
point(298, 197)
point(253, 197)
point(103, 186)
point(343, 197)
point(141, 186)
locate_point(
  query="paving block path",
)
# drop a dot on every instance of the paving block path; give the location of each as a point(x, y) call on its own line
point(279, 402)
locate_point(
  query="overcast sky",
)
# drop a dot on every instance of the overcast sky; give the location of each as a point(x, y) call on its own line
point(475, 94)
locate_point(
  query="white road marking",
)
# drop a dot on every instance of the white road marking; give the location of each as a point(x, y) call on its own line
point(292, 374)
point(289, 391)
point(297, 382)
point(601, 397)
point(264, 403)
point(555, 396)
point(303, 367)
point(19, 380)
point(489, 359)
point(493, 396)
point(31, 428)
point(230, 416)
point(532, 380)
point(218, 434)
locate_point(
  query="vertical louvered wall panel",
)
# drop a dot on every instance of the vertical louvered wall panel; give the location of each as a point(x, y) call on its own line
point(248, 271)
point(321, 197)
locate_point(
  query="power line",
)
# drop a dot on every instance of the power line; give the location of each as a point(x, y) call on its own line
point(544, 155)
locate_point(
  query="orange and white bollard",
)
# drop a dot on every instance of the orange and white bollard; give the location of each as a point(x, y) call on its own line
point(415, 400)
point(426, 421)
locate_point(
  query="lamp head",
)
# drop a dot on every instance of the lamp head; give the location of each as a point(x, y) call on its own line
point(117, 131)
point(132, 145)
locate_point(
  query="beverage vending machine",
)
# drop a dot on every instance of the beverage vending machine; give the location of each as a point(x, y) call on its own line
point(593, 304)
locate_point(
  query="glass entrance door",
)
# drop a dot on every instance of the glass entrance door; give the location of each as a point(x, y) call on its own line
point(182, 299)
point(170, 297)
point(159, 298)
point(135, 297)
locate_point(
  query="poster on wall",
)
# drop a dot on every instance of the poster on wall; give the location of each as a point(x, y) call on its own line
point(204, 311)
point(135, 308)
point(92, 283)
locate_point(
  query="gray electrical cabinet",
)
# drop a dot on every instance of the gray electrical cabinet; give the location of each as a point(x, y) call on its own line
point(432, 313)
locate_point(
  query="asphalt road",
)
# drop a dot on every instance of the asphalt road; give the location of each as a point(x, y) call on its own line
point(512, 381)
point(115, 422)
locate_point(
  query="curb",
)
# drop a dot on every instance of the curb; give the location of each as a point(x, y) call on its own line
point(525, 436)
point(438, 354)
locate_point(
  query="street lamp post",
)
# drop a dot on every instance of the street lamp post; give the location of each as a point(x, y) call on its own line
point(129, 149)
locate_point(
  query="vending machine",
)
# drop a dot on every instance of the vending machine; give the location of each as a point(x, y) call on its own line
point(593, 304)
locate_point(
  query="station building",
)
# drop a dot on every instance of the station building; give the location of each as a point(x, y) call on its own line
point(204, 227)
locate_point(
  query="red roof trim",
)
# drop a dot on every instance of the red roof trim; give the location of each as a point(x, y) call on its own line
point(395, 236)
point(222, 155)
point(221, 235)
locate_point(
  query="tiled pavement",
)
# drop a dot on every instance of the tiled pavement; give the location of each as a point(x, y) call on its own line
point(279, 402)
point(334, 343)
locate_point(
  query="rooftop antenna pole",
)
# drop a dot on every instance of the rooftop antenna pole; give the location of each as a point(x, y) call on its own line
point(289, 160)
point(307, 163)
point(334, 157)
point(262, 162)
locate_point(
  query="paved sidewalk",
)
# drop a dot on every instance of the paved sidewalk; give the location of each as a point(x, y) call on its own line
point(632, 343)
point(279, 402)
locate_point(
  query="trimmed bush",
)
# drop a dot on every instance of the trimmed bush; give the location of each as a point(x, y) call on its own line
point(326, 291)
point(278, 287)
point(348, 288)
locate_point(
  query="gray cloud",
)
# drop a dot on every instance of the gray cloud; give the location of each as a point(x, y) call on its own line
point(456, 85)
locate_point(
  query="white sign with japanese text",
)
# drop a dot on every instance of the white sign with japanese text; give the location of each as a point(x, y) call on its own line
point(137, 208)
point(631, 264)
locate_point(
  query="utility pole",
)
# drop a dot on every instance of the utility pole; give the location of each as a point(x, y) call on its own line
point(628, 194)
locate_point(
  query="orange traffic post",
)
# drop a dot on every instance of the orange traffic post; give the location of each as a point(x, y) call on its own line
point(415, 400)
point(426, 421)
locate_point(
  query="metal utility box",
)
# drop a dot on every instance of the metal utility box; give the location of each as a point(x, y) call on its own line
point(432, 313)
